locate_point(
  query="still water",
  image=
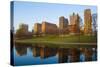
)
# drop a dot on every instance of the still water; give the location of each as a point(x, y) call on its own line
point(38, 54)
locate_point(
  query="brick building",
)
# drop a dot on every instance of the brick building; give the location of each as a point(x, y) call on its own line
point(37, 28)
point(49, 28)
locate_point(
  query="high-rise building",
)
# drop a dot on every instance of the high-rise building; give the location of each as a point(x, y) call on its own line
point(87, 21)
point(63, 22)
point(63, 25)
point(74, 24)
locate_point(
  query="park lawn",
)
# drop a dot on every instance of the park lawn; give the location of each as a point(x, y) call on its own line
point(60, 40)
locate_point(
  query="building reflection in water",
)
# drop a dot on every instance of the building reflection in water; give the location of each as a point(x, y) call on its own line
point(63, 54)
point(36, 51)
point(46, 52)
point(88, 52)
point(43, 52)
point(74, 55)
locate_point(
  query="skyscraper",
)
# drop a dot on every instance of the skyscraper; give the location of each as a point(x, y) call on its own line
point(74, 24)
point(63, 25)
point(63, 22)
point(87, 21)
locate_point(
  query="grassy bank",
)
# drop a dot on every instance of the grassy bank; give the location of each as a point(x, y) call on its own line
point(60, 39)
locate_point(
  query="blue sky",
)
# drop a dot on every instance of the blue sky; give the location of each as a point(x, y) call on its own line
point(32, 12)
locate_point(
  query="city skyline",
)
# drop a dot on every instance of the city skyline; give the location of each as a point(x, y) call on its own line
point(33, 12)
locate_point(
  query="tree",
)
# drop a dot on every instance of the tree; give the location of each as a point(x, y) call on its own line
point(81, 25)
point(94, 22)
point(20, 33)
point(81, 22)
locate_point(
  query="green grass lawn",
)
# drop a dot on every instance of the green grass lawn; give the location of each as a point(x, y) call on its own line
point(60, 40)
point(70, 41)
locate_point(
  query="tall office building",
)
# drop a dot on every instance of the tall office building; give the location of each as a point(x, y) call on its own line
point(87, 21)
point(63, 25)
point(74, 24)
